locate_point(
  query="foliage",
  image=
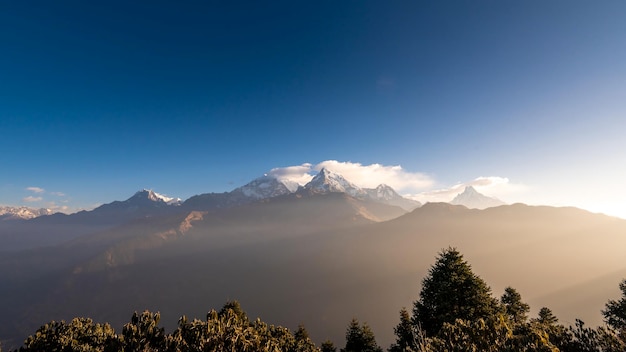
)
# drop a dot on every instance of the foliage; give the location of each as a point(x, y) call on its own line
point(406, 337)
point(360, 338)
point(478, 335)
point(328, 346)
point(81, 334)
point(143, 333)
point(455, 313)
point(549, 324)
point(615, 312)
point(226, 330)
point(583, 339)
point(452, 291)
point(515, 310)
point(231, 330)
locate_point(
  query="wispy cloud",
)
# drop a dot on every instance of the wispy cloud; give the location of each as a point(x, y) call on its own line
point(58, 194)
point(35, 189)
point(368, 176)
point(31, 199)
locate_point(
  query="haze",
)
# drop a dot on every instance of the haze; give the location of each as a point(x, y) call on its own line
point(141, 125)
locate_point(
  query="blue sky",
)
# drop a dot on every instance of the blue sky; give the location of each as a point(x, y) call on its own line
point(101, 99)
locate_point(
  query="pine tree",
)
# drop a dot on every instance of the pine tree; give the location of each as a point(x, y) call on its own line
point(452, 291)
point(360, 338)
point(405, 334)
point(328, 346)
point(302, 340)
point(514, 308)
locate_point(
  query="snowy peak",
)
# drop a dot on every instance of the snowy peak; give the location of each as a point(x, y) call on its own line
point(327, 181)
point(24, 213)
point(385, 194)
point(473, 199)
point(148, 195)
point(382, 192)
point(266, 187)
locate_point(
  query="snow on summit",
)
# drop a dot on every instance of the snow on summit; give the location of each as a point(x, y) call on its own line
point(329, 181)
point(266, 187)
point(156, 197)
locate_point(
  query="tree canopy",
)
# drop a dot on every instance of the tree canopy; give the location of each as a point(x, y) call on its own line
point(452, 291)
point(455, 312)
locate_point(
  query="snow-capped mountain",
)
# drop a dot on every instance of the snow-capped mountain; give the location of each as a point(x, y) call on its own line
point(142, 203)
point(327, 181)
point(152, 196)
point(25, 213)
point(385, 194)
point(473, 199)
point(266, 187)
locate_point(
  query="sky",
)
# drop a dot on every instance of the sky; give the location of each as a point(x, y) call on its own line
point(526, 100)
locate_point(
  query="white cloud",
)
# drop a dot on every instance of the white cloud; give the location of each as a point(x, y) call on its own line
point(58, 194)
point(367, 176)
point(299, 173)
point(492, 186)
point(31, 199)
point(57, 208)
point(35, 189)
point(370, 176)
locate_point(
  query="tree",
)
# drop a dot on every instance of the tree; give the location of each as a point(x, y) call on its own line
point(615, 312)
point(302, 340)
point(81, 334)
point(328, 346)
point(405, 334)
point(143, 332)
point(514, 308)
point(546, 317)
point(549, 324)
point(487, 335)
point(452, 291)
point(360, 338)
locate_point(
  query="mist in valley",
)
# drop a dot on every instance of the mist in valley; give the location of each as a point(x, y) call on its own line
point(318, 262)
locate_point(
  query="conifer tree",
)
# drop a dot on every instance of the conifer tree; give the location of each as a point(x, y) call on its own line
point(302, 340)
point(328, 346)
point(514, 308)
point(452, 291)
point(360, 338)
point(405, 335)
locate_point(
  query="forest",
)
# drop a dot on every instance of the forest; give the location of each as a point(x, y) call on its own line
point(455, 311)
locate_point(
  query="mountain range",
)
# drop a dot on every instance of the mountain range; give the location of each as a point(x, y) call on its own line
point(261, 188)
point(317, 254)
point(22, 213)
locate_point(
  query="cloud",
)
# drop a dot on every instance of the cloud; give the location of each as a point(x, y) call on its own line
point(370, 176)
point(366, 176)
point(57, 208)
point(299, 173)
point(58, 194)
point(31, 199)
point(35, 189)
point(492, 186)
